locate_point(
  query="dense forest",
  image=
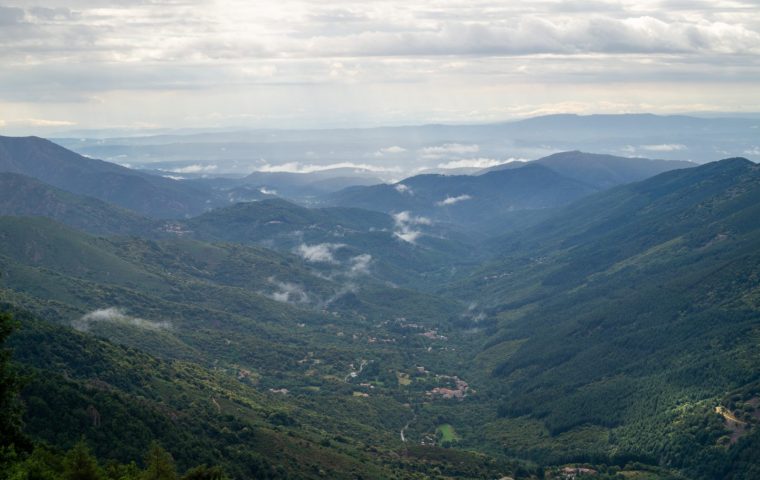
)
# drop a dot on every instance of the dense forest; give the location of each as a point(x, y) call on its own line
point(610, 333)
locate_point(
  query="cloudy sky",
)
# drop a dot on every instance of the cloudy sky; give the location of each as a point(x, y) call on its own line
point(294, 63)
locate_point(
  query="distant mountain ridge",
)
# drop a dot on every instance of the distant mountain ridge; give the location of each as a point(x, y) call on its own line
point(633, 312)
point(602, 171)
point(62, 168)
point(496, 193)
point(25, 196)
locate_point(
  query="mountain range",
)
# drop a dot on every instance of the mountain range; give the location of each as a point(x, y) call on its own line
point(579, 311)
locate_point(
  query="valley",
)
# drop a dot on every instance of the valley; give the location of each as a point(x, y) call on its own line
point(578, 316)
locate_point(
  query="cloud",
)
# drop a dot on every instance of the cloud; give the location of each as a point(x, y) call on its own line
point(476, 163)
point(448, 149)
point(39, 122)
point(359, 265)
point(287, 292)
point(117, 316)
point(401, 188)
point(667, 147)
point(404, 223)
point(540, 34)
point(197, 168)
point(11, 16)
point(321, 253)
point(309, 64)
point(394, 150)
point(296, 167)
point(752, 151)
point(453, 200)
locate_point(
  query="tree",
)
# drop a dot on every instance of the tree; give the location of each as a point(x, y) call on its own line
point(205, 473)
point(79, 464)
point(160, 464)
point(11, 438)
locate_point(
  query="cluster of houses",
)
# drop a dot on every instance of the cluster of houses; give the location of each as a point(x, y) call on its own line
point(571, 473)
point(451, 393)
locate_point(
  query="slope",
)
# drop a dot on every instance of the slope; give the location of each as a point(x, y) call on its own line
point(239, 323)
point(602, 171)
point(140, 192)
point(24, 196)
point(630, 316)
point(330, 237)
point(469, 201)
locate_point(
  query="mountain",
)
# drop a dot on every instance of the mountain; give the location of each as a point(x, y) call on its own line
point(80, 387)
point(471, 201)
point(402, 149)
point(628, 319)
point(404, 251)
point(146, 194)
point(24, 196)
point(609, 330)
point(602, 171)
point(302, 185)
point(230, 355)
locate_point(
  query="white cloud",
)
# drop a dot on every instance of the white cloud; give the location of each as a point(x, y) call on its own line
point(359, 265)
point(476, 163)
point(394, 150)
point(448, 149)
point(296, 167)
point(406, 218)
point(408, 235)
point(752, 151)
point(321, 253)
point(349, 62)
point(287, 292)
point(404, 223)
point(267, 191)
point(117, 316)
point(197, 168)
point(453, 200)
point(666, 147)
point(401, 188)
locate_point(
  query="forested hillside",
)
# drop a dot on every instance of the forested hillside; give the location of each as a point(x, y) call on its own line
point(614, 334)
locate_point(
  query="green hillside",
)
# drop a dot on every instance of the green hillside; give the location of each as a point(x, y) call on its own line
point(323, 367)
point(628, 318)
point(25, 196)
point(421, 263)
point(619, 334)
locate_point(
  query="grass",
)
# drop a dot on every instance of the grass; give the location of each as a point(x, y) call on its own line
point(447, 433)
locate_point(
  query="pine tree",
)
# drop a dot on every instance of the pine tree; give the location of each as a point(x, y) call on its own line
point(205, 473)
point(10, 407)
point(160, 464)
point(79, 464)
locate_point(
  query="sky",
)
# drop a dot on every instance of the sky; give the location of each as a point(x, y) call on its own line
point(129, 64)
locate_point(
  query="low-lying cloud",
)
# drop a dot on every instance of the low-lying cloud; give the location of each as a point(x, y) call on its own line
point(297, 167)
point(359, 265)
point(666, 147)
point(394, 150)
point(287, 292)
point(197, 168)
point(453, 200)
point(404, 226)
point(117, 316)
point(448, 150)
point(476, 163)
point(321, 253)
point(401, 188)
